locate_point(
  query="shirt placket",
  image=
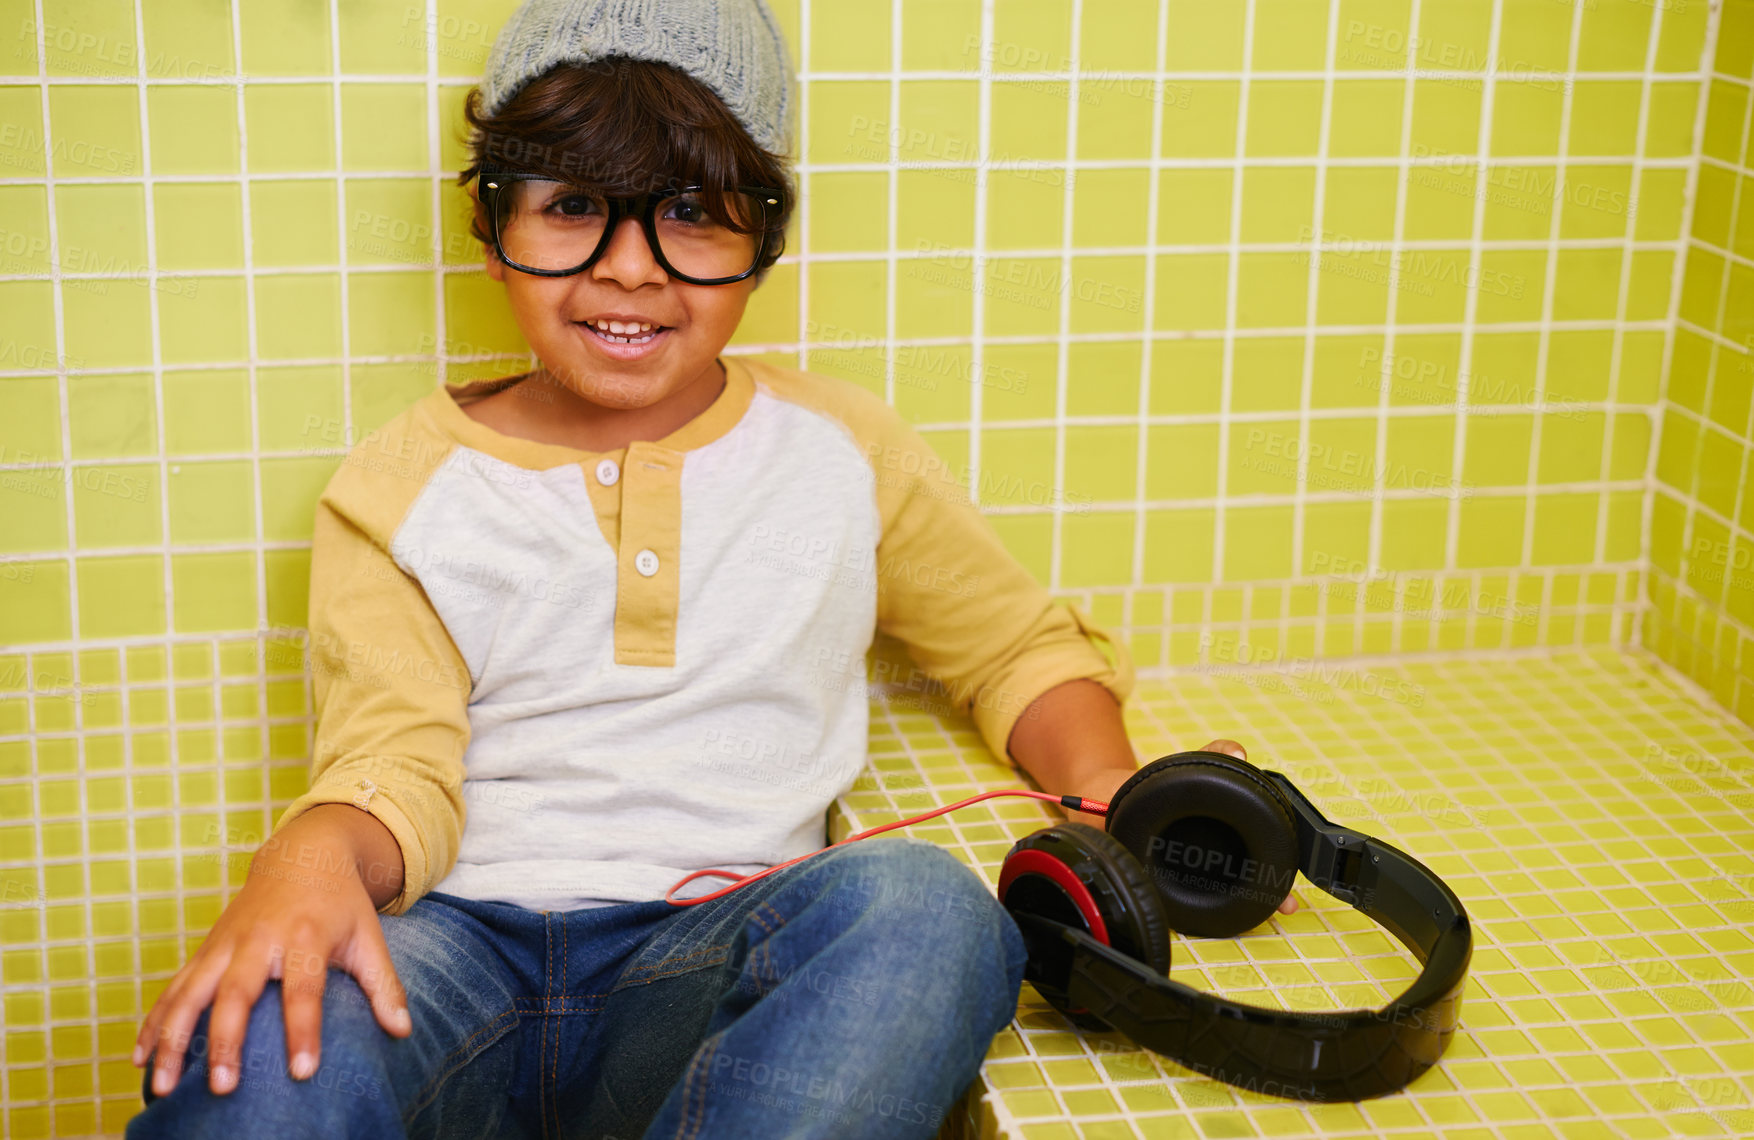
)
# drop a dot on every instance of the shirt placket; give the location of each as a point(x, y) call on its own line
point(648, 556)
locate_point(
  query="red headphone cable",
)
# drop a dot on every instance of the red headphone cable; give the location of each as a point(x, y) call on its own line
point(1075, 803)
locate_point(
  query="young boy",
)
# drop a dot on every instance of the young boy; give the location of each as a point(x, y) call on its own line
point(614, 613)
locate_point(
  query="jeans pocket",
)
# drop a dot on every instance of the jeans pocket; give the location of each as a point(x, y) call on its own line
point(684, 942)
point(655, 964)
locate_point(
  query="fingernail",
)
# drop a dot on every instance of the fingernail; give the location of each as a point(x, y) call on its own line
point(162, 1081)
point(400, 1018)
point(139, 1055)
point(223, 1078)
point(303, 1065)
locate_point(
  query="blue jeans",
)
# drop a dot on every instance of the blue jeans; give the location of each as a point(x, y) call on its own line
point(853, 995)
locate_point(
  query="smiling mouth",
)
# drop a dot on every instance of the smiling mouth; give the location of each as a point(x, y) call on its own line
point(627, 334)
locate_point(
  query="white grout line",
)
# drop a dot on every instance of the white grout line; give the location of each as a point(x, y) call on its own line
point(413, 78)
point(1261, 499)
point(440, 265)
point(977, 264)
point(162, 549)
point(1725, 664)
point(1549, 286)
point(1063, 345)
point(1615, 358)
point(264, 736)
point(999, 162)
point(892, 210)
point(1384, 404)
point(802, 211)
point(1579, 570)
point(1011, 163)
point(66, 482)
point(1227, 380)
point(1696, 507)
point(1115, 419)
point(1647, 515)
point(1470, 304)
point(435, 156)
point(1253, 332)
point(341, 223)
point(1141, 460)
point(1312, 291)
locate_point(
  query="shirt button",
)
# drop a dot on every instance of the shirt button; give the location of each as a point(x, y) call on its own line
point(646, 562)
point(608, 471)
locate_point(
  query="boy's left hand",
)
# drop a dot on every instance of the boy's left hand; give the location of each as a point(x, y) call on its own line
point(1104, 782)
point(1072, 740)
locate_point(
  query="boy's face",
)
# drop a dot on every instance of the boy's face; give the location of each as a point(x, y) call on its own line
point(557, 315)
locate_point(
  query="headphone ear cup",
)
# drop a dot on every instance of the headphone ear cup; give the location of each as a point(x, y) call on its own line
point(1146, 936)
point(1080, 876)
point(1216, 840)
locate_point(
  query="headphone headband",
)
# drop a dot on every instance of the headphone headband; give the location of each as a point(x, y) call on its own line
point(1349, 1055)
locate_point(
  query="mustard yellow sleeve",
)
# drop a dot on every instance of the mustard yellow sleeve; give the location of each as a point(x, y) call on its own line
point(391, 688)
point(970, 614)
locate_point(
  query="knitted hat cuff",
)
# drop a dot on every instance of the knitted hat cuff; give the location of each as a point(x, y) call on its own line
point(734, 47)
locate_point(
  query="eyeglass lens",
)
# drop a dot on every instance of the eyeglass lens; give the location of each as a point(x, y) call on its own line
point(556, 226)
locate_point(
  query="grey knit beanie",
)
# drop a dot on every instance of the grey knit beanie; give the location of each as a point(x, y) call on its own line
point(732, 46)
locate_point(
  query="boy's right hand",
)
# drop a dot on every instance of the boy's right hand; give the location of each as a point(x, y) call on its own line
point(292, 919)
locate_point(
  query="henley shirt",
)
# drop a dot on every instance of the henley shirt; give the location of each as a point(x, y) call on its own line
point(565, 678)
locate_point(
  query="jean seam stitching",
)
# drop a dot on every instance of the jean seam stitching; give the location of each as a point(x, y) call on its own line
point(676, 958)
point(669, 967)
point(430, 1090)
point(547, 999)
point(700, 1120)
point(555, 1103)
point(538, 1006)
point(764, 953)
point(682, 969)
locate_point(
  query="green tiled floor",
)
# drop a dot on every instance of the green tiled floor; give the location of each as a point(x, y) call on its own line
point(1593, 813)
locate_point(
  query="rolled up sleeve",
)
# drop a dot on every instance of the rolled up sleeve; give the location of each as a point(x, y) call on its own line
point(391, 694)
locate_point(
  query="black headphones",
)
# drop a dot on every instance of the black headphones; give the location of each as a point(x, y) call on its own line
point(1207, 844)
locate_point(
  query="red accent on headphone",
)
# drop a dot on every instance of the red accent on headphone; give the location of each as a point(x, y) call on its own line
point(1034, 862)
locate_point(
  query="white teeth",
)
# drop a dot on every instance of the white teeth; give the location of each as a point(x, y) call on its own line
point(608, 330)
point(623, 328)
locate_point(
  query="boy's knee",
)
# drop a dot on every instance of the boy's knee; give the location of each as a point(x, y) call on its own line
point(925, 894)
point(913, 881)
point(265, 1088)
point(191, 1109)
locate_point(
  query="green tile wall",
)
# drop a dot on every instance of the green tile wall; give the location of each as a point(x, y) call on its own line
point(1701, 542)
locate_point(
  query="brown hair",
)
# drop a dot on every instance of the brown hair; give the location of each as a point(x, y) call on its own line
point(625, 126)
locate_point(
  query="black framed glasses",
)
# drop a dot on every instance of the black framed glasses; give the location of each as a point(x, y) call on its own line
point(553, 228)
